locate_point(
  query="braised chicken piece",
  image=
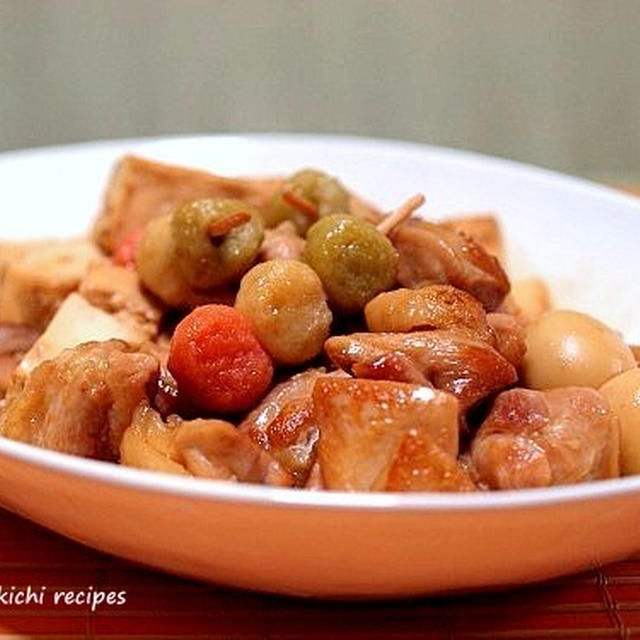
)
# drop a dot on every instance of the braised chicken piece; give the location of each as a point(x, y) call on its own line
point(216, 449)
point(379, 435)
point(421, 465)
point(509, 336)
point(282, 243)
point(15, 341)
point(469, 369)
point(441, 306)
point(544, 438)
point(315, 481)
point(437, 306)
point(147, 443)
point(212, 449)
point(284, 423)
point(433, 254)
point(81, 401)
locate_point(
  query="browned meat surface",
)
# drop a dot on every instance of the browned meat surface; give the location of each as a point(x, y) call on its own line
point(284, 423)
point(315, 481)
point(281, 243)
point(509, 335)
point(141, 189)
point(15, 341)
point(421, 465)
point(204, 448)
point(147, 442)
point(470, 369)
point(437, 306)
point(216, 449)
point(380, 435)
point(432, 254)
point(81, 401)
point(483, 228)
point(544, 438)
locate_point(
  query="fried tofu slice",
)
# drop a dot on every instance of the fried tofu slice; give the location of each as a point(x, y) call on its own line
point(12, 251)
point(81, 401)
point(76, 322)
point(118, 291)
point(377, 435)
point(140, 190)
point(37, 281)
point(635, 349)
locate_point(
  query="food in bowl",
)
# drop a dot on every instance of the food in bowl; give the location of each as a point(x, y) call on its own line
point(284, 331)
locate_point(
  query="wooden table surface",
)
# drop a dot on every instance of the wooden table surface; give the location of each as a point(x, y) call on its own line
point(602, 603)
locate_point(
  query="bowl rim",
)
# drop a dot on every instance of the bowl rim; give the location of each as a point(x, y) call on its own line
point(265, 496)
point(260, 495)
point(458, 156)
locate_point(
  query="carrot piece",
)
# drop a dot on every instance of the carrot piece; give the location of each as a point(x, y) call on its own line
point(217, 360)
point(125, 253)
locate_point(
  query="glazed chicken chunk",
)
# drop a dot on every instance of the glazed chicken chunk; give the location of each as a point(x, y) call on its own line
point(543, 438)
point(448, 360)
point(206, 448)
point(81, 401)
point(432, 253)
point(378, 435)
point(284, 423)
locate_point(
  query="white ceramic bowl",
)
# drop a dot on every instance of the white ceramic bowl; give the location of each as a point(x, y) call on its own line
point(580, 236)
